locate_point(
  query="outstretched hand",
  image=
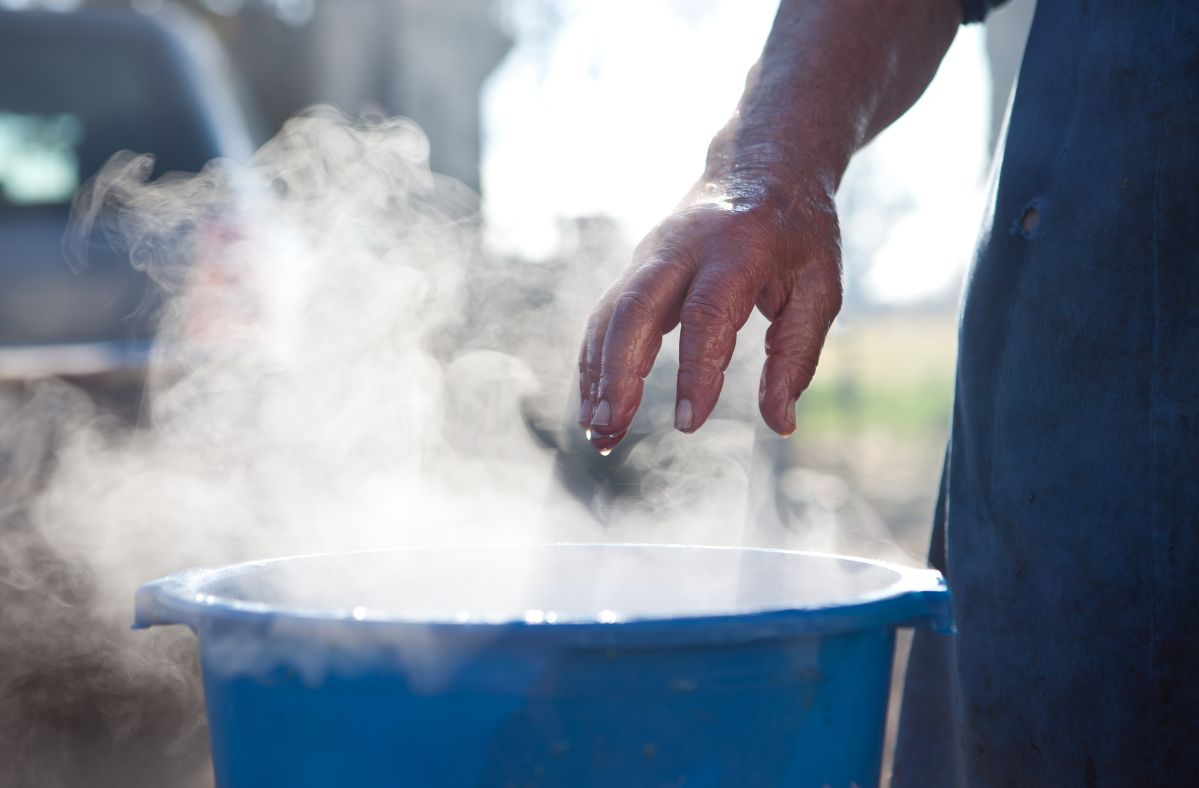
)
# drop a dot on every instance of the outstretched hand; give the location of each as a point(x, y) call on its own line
point(725, 249)
point(761, 228)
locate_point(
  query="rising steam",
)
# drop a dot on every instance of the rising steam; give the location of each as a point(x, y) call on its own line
point(339, 366)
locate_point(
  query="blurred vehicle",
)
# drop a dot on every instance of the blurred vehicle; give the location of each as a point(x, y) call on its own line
point(79, 87)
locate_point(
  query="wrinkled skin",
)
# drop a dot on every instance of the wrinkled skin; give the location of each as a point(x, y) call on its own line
point(760, 227)
point(705, 268)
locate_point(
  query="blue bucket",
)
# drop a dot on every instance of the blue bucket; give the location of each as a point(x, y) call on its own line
point(548, 665)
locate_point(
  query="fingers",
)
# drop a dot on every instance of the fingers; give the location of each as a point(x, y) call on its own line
point(623, 342)
point(706, 272)
point(793, 344)
point(590, 355)
point(716, 307)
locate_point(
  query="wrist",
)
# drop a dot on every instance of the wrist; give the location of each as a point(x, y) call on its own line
point(766, 178)
point(777, 167)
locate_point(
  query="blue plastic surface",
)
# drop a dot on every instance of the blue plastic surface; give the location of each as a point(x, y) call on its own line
point(782, 682)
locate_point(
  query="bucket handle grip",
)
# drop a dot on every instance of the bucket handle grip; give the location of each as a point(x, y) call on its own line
point(928, 599)
point(159, 602)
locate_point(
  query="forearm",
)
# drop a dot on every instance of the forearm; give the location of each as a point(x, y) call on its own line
point(833, 74)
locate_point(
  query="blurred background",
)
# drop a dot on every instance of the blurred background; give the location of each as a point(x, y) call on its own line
point(579, 124)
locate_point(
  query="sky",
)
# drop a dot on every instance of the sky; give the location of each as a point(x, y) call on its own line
point(607, 108)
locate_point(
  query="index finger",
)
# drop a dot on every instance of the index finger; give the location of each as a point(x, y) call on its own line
point(646, 307)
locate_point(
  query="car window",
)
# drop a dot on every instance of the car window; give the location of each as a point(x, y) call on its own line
point(39, 164)
point(72, 95)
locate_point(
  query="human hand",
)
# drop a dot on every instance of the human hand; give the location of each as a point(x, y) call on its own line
point(730, 245)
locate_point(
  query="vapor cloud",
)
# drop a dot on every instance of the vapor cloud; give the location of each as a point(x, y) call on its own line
point(339, 366)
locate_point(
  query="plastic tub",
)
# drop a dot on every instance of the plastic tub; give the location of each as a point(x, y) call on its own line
point(548, 665)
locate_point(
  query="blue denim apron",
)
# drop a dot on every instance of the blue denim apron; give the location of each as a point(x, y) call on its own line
point(1070, 501)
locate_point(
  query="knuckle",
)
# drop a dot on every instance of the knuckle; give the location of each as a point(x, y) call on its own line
point(698, 374)
point(701, 365)
point(820, 290)
point(797, 369)
point(653, 245)
point(632, 306)
point(670, 239)
point(702, 310)
point(618, 365)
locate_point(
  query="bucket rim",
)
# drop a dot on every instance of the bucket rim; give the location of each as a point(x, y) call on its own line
point(918, 598)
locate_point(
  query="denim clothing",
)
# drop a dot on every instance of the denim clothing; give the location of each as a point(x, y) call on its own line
point(1069, 512)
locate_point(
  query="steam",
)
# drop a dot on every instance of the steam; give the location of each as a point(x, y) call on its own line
point(340, 365)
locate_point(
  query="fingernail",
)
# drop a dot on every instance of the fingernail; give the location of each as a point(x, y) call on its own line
point(790, 416)
point(585, 411)
point(602, 415)
point(683, 415)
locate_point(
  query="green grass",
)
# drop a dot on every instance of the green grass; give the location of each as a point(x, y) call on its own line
point(891, 374)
